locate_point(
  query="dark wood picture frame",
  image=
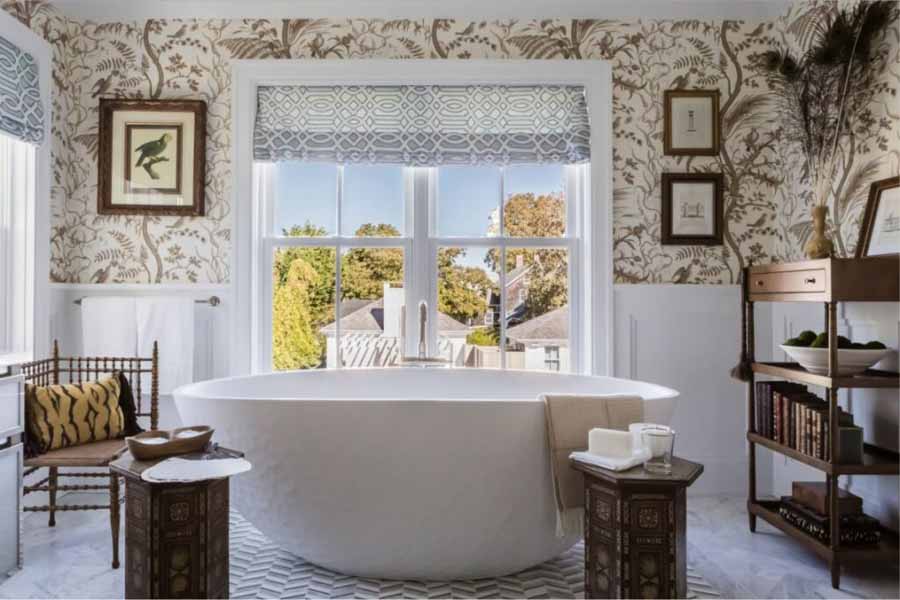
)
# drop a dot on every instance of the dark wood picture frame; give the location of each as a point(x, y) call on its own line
point(668, 238)
point(865, 231)
point(108, 107)
point(669, 147)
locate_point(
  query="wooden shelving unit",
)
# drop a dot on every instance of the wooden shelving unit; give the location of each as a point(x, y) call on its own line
point(829, 282)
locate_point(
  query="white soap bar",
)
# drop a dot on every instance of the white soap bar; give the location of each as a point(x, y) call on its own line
point(189, 433)
point(610, 442)
point(152, 441)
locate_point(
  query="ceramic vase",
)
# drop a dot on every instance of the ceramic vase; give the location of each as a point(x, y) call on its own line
point(819, 244)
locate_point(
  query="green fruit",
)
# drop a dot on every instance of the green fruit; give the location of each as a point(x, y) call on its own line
point(794, 342)
point(807, 337)
point(875, 345)
point(857, 346)
point(844, 342)
point(821, 341)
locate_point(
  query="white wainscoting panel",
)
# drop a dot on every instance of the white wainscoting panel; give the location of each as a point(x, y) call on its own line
point(211, 325)
point(876, 411)
point(683, 336)
point(688, 337)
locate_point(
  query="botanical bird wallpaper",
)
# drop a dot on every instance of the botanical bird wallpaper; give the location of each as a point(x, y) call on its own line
point(766, 209)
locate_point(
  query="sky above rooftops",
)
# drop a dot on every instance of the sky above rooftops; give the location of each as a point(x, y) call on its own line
point(374, 194)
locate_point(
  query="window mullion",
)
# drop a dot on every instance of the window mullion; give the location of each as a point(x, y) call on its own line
point(574, 231)
point(339, 363)
point(339, 226)
point(419, 279)
point(261, 304)
point(270, 205)
point(502, 239)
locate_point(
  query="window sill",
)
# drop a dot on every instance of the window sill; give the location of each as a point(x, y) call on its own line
point(12, 359)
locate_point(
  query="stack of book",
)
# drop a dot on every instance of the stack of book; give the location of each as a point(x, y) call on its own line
point(807, 510)
point(792, 416)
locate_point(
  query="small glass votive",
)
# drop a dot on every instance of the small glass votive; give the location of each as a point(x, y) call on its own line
point(661, 443)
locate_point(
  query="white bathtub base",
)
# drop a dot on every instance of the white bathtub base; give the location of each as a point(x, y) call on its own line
point(428, 489)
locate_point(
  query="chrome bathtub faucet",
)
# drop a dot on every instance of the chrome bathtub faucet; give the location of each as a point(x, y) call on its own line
point(423, 319)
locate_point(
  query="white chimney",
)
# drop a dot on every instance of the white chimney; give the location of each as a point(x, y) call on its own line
point(393, 310)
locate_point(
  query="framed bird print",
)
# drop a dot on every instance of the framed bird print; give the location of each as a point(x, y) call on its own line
point(691, 122)
point(152, 157)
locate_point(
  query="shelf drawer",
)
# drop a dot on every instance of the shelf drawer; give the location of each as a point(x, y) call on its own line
point(788, 282)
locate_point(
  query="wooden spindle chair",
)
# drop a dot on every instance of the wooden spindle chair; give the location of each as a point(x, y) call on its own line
point(57, 370)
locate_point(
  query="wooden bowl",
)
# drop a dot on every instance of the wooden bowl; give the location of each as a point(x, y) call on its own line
point(142, 449)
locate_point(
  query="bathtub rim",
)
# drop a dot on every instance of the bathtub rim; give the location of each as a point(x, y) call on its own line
point(191, 389)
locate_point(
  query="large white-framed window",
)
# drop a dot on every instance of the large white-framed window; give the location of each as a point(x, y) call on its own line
point(585, 241)
point(17, 200)
point(372, 243)
point(25, 219)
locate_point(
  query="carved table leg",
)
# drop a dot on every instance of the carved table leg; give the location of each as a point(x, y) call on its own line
point(114, 517)
point(51, 491)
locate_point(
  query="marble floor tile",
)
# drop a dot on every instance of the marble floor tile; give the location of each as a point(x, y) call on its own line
point(72, 560)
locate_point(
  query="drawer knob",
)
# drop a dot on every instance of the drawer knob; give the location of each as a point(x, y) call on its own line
point(760, 282)
point(810, 280)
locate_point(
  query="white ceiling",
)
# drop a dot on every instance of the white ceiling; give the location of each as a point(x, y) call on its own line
point(116, 10)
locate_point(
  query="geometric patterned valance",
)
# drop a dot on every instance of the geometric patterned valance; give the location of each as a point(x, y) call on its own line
point(21, 110)
point(423, 125)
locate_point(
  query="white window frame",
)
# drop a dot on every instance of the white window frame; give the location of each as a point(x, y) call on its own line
point(571, 242)
point(590, 307)
point(26, 270)
point(272, 240)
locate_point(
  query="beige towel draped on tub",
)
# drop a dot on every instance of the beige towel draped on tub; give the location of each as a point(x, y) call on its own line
point(569, 419)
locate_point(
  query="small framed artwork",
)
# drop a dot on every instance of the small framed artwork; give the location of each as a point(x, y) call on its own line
point(880, 232)
point(692, 209)
point(691, 122)
point(152, 157)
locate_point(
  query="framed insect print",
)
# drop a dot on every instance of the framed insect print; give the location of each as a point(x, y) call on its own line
point(880, 232)
point(691, 122)
point(152, 157)
point(692, 209)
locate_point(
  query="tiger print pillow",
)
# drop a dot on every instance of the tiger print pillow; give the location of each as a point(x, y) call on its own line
point(58, 416)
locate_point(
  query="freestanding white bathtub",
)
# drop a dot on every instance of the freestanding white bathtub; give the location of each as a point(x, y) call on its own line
point(431, 474)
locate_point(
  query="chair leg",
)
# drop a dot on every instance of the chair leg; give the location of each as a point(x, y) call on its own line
point(51, 484)
point(114, 516)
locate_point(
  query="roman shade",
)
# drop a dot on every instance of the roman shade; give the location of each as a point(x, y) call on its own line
point(423, 125)
point(21, 110)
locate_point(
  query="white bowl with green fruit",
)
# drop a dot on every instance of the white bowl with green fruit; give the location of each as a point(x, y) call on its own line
point(811, 352)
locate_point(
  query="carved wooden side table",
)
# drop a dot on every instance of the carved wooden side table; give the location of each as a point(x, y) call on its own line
point(176, 534)
point(634, 530)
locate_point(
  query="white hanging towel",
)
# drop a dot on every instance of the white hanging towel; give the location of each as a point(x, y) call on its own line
point(108, 327)
point(170, 322)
